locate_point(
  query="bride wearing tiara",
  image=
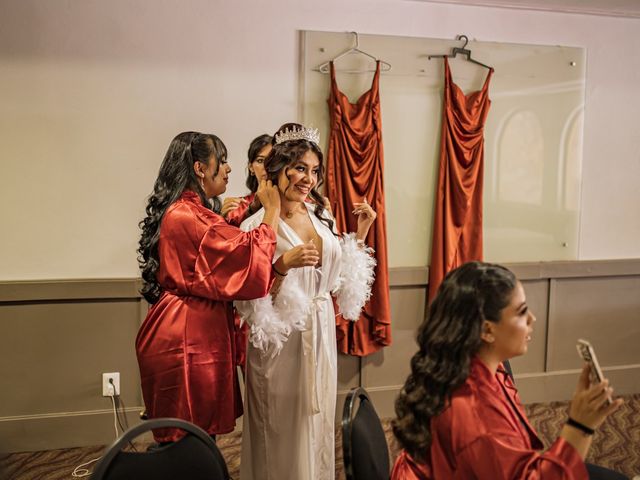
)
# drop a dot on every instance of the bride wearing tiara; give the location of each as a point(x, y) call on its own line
point(290, 399)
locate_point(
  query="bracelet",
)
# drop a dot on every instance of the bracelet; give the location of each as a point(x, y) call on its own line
point(583, 428)
point(273, 266)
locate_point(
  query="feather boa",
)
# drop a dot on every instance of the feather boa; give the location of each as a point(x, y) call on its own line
point(356, 277)
point(272, 322)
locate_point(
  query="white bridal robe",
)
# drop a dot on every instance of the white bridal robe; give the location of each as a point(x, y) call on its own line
point(291, 381)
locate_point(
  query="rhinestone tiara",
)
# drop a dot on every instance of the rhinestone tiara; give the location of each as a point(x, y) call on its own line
point(302, 133)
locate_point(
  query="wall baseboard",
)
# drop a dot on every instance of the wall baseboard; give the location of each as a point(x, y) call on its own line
point(52, 431)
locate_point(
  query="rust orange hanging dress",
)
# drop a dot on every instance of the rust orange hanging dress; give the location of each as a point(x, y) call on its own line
point(354, 171)
point(457, 227)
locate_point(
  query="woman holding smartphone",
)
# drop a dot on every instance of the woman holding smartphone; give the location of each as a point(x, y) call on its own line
point(459, 415)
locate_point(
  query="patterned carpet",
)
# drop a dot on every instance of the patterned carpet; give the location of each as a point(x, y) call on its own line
point(616, 445)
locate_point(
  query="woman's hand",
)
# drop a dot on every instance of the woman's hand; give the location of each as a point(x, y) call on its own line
point(305, 255)
point(268, 195)
point(229, 204)
point(366, 216)
point(589, 405)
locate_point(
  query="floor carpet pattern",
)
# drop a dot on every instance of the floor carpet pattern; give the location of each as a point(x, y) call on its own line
point(616, 445)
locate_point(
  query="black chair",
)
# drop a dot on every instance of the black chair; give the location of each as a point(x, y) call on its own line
point(364, 445)
point(195, 456)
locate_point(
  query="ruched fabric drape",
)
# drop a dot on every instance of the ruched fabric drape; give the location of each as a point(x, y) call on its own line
point(457, 227)
point(355, 168)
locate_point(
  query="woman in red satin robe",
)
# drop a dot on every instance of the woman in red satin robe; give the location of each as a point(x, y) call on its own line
point(236, 209)
point(193, 266)
point(459, 415)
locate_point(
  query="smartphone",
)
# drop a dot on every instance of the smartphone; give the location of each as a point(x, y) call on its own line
point(588, 354)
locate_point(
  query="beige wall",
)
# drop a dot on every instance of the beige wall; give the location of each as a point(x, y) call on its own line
point(91, 92)
point(57, 340)
point(59, 337)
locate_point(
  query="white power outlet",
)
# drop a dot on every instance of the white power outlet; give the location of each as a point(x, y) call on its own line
point(107, 388)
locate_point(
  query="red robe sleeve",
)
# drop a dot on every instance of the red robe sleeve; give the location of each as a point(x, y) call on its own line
point(232, 264)
point(489, 457)
point(238, 215)
point(406, 468)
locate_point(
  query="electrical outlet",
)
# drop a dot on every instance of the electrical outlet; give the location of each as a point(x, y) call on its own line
point(107, 388)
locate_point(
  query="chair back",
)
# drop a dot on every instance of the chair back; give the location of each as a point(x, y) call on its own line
point(364, 445)
point(195, 456)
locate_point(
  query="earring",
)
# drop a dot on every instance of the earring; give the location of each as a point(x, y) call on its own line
point(201, 180)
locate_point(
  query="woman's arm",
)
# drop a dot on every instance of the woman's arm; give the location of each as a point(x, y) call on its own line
point(357, 275)
point(490, 457)
point(305, 255)
point(589, 408)
point(232, 264)
point(366, 217)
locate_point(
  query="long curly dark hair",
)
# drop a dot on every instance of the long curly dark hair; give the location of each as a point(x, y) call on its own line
point(284, 155)
point(447, 340)
point(256, 145)
point(175, 176)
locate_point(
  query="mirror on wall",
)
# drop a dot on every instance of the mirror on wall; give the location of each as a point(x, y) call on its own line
point(533, 136)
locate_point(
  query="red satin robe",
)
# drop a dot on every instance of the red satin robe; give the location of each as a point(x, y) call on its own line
point(238, 215)
point(485, 434)
point(186, 344)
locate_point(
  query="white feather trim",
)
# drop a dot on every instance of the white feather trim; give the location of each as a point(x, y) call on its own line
point(293, 305)
point(271, 321)
point(267, 331)
point(356, 277)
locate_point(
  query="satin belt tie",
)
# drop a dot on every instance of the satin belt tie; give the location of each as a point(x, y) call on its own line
point(309, 340)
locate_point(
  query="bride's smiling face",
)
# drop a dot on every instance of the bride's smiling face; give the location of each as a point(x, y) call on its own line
point(297, 181)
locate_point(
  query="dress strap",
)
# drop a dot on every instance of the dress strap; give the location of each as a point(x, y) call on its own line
point(447, 70)
point(486, 80)
point(376, 77)
point(332, 72)
point(447, 73)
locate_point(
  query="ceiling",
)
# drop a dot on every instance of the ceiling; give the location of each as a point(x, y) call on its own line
point(614, 8)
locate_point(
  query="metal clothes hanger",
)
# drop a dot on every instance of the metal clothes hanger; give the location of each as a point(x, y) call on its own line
point(461, 51)
point(324, 68)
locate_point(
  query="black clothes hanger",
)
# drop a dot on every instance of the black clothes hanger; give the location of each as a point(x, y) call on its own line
point(324, 68)
point(461, 51)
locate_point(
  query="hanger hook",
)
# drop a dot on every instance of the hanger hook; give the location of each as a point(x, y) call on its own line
point(357, 40)
point(465, 38)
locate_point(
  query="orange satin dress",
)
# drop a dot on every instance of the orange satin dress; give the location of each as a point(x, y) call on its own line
point(485, 434)
point(355, 167)
point(457, 227)
point(186, 344)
